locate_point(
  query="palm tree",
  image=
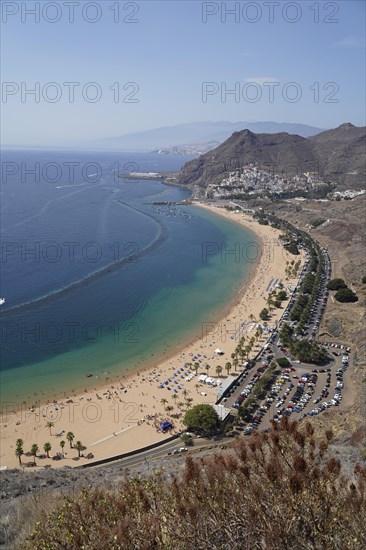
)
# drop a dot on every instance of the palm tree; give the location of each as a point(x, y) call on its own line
point(50, 425)
point(169, 408)
point(47, 448)
point(189, 401)
point(79, 447)
point(207, 367)
point(180, 404)
point(235, 362)
point(19, 450)
point(175, 396)
point(185, 393)
point(248, 349)
point(62, 445)
point(218, 370)
point(34, 451)
point(70, 438)
point(164, 401)
point(196, 367)
point(228, 368)
point(251, 317)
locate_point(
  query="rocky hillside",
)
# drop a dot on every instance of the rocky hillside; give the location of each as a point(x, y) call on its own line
point(338, 156)
point(342, 155)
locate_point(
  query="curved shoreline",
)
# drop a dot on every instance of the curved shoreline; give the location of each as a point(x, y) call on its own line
point(98, 382)
point(142, 387)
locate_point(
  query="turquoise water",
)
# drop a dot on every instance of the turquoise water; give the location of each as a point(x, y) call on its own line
point(112, 317)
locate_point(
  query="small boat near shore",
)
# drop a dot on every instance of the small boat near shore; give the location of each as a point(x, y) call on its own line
point(2, 301)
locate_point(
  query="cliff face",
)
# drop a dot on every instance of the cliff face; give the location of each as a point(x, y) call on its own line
point(337, 155)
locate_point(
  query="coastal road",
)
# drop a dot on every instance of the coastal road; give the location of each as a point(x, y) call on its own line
point(162, 451)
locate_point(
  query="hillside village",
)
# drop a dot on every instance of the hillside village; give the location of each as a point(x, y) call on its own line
point(253, 180)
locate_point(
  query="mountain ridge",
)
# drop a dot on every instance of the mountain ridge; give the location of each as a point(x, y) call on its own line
point(337, 155)
point(193, 133)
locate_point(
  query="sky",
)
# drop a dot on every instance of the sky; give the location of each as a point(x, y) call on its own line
point(108, 68)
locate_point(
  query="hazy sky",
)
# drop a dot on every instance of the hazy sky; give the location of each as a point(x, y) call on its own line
point(146, 64)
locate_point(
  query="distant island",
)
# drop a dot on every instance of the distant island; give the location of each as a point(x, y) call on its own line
point(195, 137)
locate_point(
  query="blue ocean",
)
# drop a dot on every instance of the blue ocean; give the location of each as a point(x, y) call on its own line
point(97, 279)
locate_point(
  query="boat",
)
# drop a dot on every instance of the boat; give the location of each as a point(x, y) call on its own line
point(2, 301)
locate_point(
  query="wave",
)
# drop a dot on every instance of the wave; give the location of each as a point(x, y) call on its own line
point(117, 264)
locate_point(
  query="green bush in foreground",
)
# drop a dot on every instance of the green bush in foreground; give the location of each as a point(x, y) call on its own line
point(277, 490)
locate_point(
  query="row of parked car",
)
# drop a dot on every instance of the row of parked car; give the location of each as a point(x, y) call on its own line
point(303, 393)
point(313, 322)
point(329, 345)
point(273, 395)
point(337, 397)
point(249, 387)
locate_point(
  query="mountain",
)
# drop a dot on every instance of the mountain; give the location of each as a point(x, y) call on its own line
point(336, 155)
point(195, 133)
point(343, 155)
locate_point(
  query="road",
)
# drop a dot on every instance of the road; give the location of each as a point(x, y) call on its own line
point(160, 452)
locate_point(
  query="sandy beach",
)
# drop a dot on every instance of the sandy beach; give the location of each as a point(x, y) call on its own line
point(126, 414)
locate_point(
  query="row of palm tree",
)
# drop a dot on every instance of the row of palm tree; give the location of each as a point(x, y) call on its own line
point(19, 451)
point(242, 351)
point(170, 408)
point(218, 368)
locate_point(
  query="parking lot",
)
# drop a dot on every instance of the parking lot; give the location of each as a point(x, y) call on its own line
point(298, 390)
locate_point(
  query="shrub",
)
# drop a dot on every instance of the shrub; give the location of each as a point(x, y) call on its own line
point(317, 222)
point(283, 488)
point(283, 362)
point(345, 295)
point(336, 284)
